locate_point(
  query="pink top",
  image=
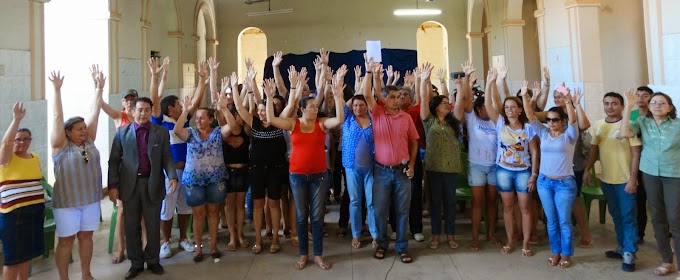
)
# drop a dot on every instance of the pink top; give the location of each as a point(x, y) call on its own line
point(391, 134)
point(123, 119)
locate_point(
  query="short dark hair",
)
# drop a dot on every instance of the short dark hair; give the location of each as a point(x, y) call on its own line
point(70, 123)
point(166, 102)
point(23, 129)
point(304, 101)
point(358, 97)
point(386, 90)
point(646, 89)
point(209, 111)
point(673, 113)
point(560, 112)
point(615, 95)
point(142, 99)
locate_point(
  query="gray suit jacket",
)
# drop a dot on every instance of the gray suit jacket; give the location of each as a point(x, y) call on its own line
point(123, 162)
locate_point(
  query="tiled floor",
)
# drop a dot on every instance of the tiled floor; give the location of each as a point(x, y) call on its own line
point(349, 263)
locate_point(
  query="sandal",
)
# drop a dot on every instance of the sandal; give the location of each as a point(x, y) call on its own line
point(341, 233)
point(434, 245)
point(374, 244)
point(244, 243)
point(453, 244)
point(118, 259)
point(585, 244)
point(275, 248)
point(356, 244)
point(216, 255)
point(527, 253)
point(474, 246)
point(664, 269)
point(257, 249)
point(299, 265)
point(323, 265)
point(198, 258)
point(554, 261)
point(379, 253)
point(494, 240)
point(506, 250)
point(231, 246)
point(405, 257)
point(565, 264)
point(294, 241)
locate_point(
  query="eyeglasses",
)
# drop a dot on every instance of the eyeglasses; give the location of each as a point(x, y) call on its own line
point(553, 120)
point(86, 159)
point(654, 102)
point(25, 139)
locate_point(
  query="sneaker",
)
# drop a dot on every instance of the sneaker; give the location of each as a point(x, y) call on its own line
point(393, 236)
point(165, 251)
point(187, 245)
point(614, 254)
point(419, 237)
point(628, 264)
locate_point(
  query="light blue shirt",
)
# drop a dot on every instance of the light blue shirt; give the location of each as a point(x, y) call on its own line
point(557, 153)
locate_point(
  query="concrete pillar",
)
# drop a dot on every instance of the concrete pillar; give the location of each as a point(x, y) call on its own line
point(476, 52)
point(514, 52)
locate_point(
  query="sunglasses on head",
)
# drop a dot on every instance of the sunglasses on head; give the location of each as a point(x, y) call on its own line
point(553, 120)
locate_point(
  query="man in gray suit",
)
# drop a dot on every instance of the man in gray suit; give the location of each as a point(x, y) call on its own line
point(139, 155)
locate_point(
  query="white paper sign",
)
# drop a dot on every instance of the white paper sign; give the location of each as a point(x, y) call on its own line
point(373, 50)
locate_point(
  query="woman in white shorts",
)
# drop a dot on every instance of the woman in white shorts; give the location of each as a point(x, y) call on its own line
point(78, 187)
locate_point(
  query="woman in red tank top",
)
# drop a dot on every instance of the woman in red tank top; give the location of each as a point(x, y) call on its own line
point(308, 175)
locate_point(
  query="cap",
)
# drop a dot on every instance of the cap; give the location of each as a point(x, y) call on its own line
point(128, 93)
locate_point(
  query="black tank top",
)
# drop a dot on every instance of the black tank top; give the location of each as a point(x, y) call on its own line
point(235, 148)
point(268, 145)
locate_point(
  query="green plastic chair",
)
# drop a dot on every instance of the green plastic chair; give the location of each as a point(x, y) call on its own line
point(112, 227)
point(49, 226)
point(589, 193)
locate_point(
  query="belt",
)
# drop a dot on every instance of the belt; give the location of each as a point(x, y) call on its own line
point(140, 175)
point(392, 167)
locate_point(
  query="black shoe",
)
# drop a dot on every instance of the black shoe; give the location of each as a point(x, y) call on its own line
point(156, 269)
point(613, 255)
point(628, 267)
point(133, 272)
point(641, 241)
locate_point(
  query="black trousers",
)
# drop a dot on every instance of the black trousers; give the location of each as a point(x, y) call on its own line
point(135, 208)
point(641, 199)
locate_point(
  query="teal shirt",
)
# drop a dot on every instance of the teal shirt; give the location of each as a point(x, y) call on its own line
point(660, 146)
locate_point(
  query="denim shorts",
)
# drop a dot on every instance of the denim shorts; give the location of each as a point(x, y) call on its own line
point(480, 175)
point(201, 195)
point(511, 181)
point(21, 232)
point(238, 180)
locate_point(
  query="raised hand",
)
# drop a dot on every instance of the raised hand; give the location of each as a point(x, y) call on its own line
point(441, 75)
point(278, 57)
point(203, 70)
point(341, 72)
point(18, 111)
point(270, 88)
point(329, 73)
point(417, 72)
point(491, 75)
point(576, 99)
point(154, 69)
point(468, 68)
point(222, 101)
point(250, 75)
point(324, 54)
point(536, 88)
point(630, 97)
point(357, 71)
point(94, 72)
point(397, 75)
point(546, 74)
point(213, 64)
point(390, 71)
point(502, 73)
point(249, 63)
point(57, 79)
point(166, 64)
point(523, 91)
point(338, 84)
point(186, 101)
point(368, 63)
point(303, 74)
point(234, 82)
point(293, 76)
point(426, 71)
point(100, 80)
point(225, 85)
point(473, 77)
point(318, 64)
point(409, 78)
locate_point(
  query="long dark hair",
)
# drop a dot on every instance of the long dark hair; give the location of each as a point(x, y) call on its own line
point(449, 118)
point(522, 116)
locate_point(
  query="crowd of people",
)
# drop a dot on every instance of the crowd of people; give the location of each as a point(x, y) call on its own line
point(400, 146)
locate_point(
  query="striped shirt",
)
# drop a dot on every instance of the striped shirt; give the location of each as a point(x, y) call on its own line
point(79, 176)
point(20, 183)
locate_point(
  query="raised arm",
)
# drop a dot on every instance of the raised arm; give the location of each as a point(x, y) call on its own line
point(238, 103)
point(295, 85)
point(418, 89)
point(502, 83)
point(93, 119)
point(281, 123)
point(338, 85)
point(154, 85)
point(526, 102)
point(466, 86)
point(425, 83)
point(368, 87)
point(280, 85)
point(226, 128)
point(630, 99)
point(213, 64)
point(491, 110)
point(179, 129)
point(58, 137)
point(543, 99)
point(6, 147)
point(251, 74)
point(583, 122)
point(357, 78)
point(378, 81)
point(443, 84)
point(197, 97)
point(114, 114)
point(318, 67)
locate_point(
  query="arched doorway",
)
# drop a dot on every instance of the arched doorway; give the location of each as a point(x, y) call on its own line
point(432, 45)
point(252, 43)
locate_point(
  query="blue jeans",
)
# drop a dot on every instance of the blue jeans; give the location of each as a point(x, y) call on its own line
point(391, 185)
point(310, 192)
point(623, 208)
point(360, 186)
point(512, 181)
point(557, 197)
point(249, 204)
point(442, 187)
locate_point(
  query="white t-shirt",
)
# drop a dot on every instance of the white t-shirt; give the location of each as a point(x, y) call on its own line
point(557, 153)
point(513, 146)
point(482, 136)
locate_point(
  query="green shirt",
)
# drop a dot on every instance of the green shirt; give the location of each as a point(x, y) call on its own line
point(660, 146)
point(634, 115)
point(443, 147)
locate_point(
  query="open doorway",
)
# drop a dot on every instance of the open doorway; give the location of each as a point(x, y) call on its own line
point(74, 41)
point(432, 45)
point(252, 43)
